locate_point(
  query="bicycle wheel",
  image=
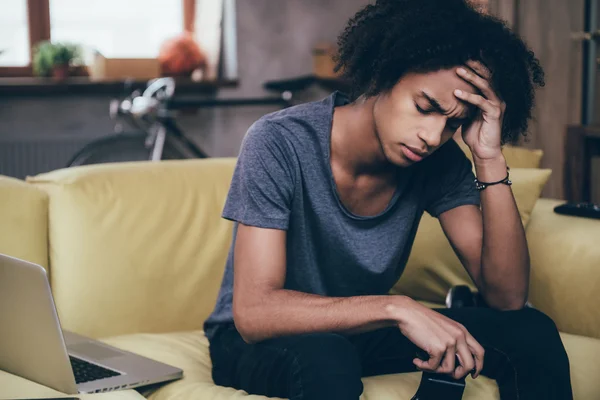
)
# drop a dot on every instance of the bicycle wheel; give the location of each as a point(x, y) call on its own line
point(121, 148)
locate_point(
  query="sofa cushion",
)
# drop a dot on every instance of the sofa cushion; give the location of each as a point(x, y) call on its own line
point(433, 267)
point(189, 351)
point(137, 247)
point(565, 273)
point(521, 157)
point(186, 350)
point(24, 221)
point(515, 156)
point(584, 353)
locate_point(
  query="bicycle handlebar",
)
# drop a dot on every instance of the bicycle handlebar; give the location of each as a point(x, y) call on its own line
point(158, 99)
point(182, 103)
point(161, 88)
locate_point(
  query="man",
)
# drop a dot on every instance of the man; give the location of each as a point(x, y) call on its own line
point(327, 197)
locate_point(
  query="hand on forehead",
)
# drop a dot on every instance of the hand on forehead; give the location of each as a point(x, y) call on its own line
point(479, 68)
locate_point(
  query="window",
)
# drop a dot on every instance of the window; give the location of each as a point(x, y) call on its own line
point(14, 34)
point(116, 28)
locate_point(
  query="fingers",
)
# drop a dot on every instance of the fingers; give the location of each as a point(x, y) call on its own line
point(478, 354)
point(491, 110)
point(480, 69)
point(420, 364)
point(435, 359)
point(449, 361)
point(467, 362)
point(482, 84)
point(461, 355)
point(442, 360)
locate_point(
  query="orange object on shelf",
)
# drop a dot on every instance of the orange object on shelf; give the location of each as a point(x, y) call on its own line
point(181, 55)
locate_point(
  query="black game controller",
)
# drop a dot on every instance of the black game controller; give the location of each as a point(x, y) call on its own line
point(461, 296)
point(586, 210)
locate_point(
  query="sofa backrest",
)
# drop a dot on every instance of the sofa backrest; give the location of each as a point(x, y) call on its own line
point(137, 247)
point(141, 247)
point(23, 221)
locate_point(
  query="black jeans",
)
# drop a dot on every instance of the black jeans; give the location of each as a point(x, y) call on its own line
point(523, 353)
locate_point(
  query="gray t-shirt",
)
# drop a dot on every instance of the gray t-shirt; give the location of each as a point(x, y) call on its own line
point(283, 180)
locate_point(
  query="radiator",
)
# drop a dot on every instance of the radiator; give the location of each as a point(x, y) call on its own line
point(26, 157)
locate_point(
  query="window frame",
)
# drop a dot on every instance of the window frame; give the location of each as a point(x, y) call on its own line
point(38, 19)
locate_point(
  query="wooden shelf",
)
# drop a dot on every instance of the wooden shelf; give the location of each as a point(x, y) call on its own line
point(16, 87)
point(305, 81)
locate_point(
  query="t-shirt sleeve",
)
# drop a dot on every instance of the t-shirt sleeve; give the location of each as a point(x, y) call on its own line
point(262, 186)
point(450, 182)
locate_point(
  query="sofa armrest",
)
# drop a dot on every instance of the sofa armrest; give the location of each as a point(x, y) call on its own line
point(565, 268)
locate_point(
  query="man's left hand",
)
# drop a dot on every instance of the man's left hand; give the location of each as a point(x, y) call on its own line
point(483, 133)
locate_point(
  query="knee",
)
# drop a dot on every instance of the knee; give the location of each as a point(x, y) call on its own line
point(533, 323)
point(537, 333)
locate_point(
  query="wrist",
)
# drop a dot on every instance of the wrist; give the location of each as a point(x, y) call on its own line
point(395, 307)
point(490, 169)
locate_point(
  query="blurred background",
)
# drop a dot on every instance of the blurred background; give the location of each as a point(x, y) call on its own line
point(62, 62)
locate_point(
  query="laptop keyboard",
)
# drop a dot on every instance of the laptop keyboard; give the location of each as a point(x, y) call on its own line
point(87, 372)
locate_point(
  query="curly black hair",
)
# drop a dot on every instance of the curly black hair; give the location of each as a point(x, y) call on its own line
point(390, 38)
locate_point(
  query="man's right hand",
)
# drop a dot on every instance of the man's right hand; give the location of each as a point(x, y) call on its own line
point(440, 337)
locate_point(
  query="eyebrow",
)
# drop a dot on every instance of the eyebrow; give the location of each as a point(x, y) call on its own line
point(438, 107)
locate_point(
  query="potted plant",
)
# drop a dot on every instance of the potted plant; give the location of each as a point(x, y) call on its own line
point(55, 59)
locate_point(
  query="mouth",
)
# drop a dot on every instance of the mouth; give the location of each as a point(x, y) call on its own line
point(413, 154)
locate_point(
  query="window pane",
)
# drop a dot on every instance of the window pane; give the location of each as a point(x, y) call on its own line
point(209, 16)
point(117, 28)
point(14, 35)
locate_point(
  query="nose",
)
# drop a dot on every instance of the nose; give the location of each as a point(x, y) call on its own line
point(432, 133)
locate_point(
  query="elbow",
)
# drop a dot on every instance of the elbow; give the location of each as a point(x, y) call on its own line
point(508, 303)
point(246, 323)
point(511, 306)
point(503, 301)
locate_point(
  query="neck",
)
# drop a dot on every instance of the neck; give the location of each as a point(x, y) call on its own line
point(355, 145)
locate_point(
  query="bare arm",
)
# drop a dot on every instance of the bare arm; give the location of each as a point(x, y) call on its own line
point(505, 256)
point(491, 243)
point(500, 266)
point(263, 309)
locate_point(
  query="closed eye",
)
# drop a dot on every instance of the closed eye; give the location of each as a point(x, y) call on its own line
point(454, 125)
point(422, 111)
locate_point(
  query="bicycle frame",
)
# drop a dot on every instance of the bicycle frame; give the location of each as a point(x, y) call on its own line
point(167, 125)
point(153, 113)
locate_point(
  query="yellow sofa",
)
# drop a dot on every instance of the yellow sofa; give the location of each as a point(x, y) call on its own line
point(136, 252)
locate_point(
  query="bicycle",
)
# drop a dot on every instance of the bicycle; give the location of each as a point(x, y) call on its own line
point(157, 136)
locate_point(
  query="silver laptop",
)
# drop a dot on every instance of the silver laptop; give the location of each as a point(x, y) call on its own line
point(33, 345)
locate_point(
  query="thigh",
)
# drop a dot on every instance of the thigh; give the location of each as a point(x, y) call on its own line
point(311, 366)
point(261, 370)
point(525, 335)
point(386, 350)
point(523, 351)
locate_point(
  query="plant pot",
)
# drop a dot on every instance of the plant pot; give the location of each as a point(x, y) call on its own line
point(60, 72)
